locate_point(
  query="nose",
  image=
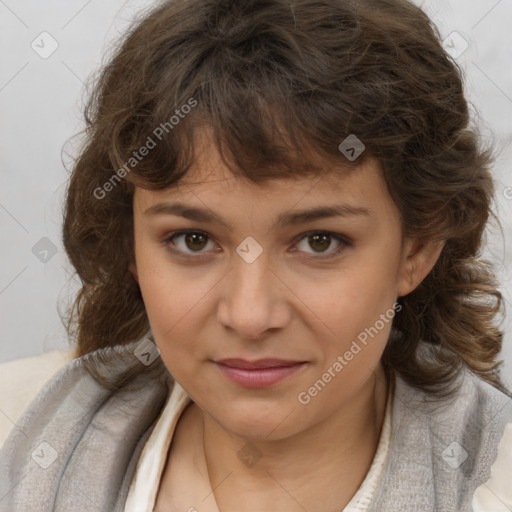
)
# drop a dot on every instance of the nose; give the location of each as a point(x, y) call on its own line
point(253, 299)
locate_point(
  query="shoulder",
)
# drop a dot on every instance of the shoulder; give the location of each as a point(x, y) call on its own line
point(495, 493)
point(20, 382)
point(472, 402)
point(442, 449)
point(471, 423)
point(81, 428)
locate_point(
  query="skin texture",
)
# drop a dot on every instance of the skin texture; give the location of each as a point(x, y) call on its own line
point(291, 302)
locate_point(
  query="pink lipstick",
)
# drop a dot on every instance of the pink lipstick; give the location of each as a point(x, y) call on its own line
point(258, 374)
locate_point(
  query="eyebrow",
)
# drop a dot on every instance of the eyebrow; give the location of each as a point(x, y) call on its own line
point(285, 219)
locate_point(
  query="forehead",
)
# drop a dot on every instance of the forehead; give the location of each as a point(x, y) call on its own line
point(212, 180)
point(231, 202)
point(210, 183)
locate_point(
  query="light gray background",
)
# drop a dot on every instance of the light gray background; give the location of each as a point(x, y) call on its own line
point(41, 103)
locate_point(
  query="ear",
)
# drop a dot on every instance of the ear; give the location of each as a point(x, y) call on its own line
point(418, 259)
point(132, 267)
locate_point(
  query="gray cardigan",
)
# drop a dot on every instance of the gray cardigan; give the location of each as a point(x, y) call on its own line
point(76, 446)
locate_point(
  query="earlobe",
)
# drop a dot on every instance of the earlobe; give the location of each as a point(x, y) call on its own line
point(418, 260)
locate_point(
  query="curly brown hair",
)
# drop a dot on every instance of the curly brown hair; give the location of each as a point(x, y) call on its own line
point(278, 81)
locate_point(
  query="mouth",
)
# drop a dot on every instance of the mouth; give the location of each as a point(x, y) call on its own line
point(260, 373)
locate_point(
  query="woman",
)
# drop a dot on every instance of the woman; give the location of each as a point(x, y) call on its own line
point(276, 217)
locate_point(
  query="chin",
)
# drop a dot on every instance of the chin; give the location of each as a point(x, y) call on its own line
point(260, 424)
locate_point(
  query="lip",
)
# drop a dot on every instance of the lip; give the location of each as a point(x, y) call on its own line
point(258, 374)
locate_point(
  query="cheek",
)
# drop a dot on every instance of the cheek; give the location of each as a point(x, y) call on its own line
point(359, 325)
point(171, 292)
point(357, 300)
point(173, 298)
point(357, 308)
point(173, 316)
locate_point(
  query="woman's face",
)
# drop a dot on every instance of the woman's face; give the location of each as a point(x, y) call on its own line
point(264, 281)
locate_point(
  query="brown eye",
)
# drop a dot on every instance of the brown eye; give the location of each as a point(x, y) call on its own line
point(195, 241)
point(320, 241)
point(187, 242)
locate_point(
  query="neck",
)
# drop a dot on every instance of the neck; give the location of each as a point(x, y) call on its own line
point(318, 469)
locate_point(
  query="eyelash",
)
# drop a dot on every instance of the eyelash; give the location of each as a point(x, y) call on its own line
point(344, 243)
